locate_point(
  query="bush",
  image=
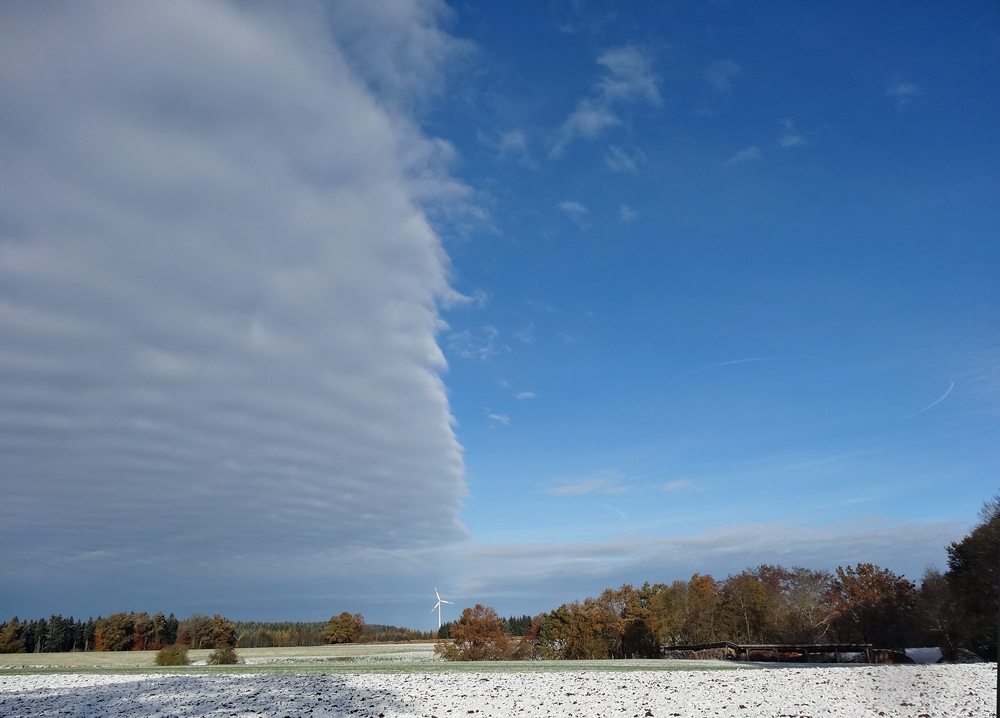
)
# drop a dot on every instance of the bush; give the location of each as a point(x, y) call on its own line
point(176, 655)
point(225, 656)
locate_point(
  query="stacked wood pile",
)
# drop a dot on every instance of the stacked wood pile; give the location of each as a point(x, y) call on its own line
point(768, 653)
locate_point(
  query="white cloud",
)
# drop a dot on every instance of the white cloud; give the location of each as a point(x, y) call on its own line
point(474, 346)
point(589, 120)
point(576, 212)
point(541, 306)
point(629, 78)
point(791, 137)
point(750, 154)
point(511, 145)
point(604, 483)
point(399, 47)
point(903, 93)
point(677, 485)
point(501, 418)
point(513, 142)
point(620, 160)
point(479, 298)
point(626, 213)
point(575, 570)
point(720, 75)
point(526, 395)
point(220, 305)
point(525, 334)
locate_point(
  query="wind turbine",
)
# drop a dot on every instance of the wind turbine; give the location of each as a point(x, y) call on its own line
point(437, 606)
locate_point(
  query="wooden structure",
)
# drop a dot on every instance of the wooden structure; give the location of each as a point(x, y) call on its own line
point(786, 653)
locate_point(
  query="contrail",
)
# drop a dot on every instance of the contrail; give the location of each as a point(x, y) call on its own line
point(933, 403)
point(714, 366)
point(612, 508)
point(727, 363)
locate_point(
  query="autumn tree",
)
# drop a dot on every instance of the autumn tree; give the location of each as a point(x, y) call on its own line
point(221, 633)
point(344, 628)
point(745, 600)
point(142, 628)
point(668, 611)
point(478, 636)
point(193, 631)
point(114, 633)
point(873, 605)
point(627, 634)
point(10, 637)
point(704, 624)
point(577, 631)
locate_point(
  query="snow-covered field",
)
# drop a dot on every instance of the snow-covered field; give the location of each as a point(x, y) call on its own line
point(854, 692)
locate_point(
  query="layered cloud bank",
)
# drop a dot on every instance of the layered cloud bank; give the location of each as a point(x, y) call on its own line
point(218, 297)
point(221, 281)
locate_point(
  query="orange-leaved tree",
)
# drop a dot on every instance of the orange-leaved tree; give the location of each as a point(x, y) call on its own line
point(344, 628)
point(873, 605)
point(478, 636)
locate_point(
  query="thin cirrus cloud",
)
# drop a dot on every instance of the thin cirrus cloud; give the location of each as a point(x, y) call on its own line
point(219, 296)
point(479, 345)
point(903, 93)
point(620, 160)
point(525, 395)
point(749, 154)
point(510, 145)
point(593, 485)
point(720, 75)
point(627, 214)
point(791, 137)
point(576, 212)
point(677, 485)
point(525, 333)
point(628, 78)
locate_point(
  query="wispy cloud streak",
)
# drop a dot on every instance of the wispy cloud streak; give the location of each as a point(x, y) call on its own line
point(932, 404)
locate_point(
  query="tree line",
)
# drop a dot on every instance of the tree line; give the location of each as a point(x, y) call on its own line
point(142, 632)
point(767, 604)
point(117, 632)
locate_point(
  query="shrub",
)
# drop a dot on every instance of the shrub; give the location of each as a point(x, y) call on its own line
point(176, 655)
point(225, 656)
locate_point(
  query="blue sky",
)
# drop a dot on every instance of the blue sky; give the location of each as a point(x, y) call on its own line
point(312, 310)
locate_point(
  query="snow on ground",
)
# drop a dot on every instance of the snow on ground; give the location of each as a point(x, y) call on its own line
point(854, 692)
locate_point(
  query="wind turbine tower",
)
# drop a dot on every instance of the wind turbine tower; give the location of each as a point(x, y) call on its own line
point(437, 606)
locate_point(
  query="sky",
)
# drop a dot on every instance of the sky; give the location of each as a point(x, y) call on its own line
point(315, 307)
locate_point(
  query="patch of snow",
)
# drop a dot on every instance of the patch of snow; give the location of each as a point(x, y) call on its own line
point(891, 691)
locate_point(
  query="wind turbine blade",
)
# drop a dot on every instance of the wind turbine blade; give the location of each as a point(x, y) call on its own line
point(435, 607)
point(436, 593)
point(448, 602)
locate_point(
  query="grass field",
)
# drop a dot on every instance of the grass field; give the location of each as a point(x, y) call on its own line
point(379, 658)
